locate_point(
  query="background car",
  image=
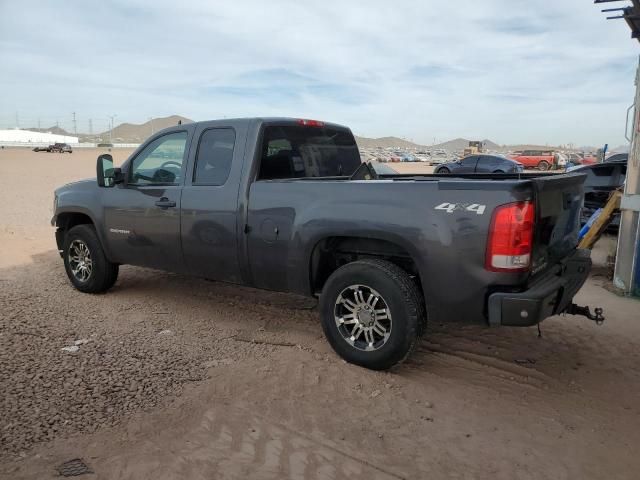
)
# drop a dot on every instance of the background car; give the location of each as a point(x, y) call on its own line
point(481, 164)
point(56, 147)
point(589, 159)
point(439, 157)
point(540, 159)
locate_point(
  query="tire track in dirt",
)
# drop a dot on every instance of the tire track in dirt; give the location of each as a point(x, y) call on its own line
point(482, 364)
point(234, 442)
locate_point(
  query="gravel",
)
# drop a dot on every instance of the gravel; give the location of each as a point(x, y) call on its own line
point(68, 367)
point(48, 392)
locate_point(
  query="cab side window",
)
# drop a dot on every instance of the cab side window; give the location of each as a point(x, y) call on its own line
point(161, 161)
point(214, 156)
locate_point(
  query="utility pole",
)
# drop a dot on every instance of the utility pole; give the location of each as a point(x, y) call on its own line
point(17, 121)
point(111, 129)
point(151, 121)
point(627, 271)
point(90, 127)
point(38, 123)
point(75, 127)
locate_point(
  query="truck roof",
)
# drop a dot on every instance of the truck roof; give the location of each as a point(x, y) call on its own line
point(268, 120)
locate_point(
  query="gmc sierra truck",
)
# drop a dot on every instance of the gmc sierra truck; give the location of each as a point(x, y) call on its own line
point(286, 205)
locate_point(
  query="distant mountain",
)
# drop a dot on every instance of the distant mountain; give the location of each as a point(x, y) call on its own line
point(395, 142)
point(138, 133)
point(385, 142)
point(462, 143)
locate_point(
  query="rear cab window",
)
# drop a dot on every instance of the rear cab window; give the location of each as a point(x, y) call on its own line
point(300, 151)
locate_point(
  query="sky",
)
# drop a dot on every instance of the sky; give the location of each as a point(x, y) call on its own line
point(513, 71)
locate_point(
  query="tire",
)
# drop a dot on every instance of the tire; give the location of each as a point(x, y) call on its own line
point(403, 319)
point(101, 274)
point(443, 170)
point(543, 166)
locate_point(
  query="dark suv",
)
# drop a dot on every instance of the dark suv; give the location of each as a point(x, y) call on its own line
point(56, 147)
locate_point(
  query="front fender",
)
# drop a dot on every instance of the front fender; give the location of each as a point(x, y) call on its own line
point(83, 198)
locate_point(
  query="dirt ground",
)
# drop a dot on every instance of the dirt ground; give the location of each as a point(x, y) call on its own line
point(185, 378)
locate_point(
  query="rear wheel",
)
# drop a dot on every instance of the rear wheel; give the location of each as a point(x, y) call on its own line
point(543, 165)
point(85, 262)
point(372, 313)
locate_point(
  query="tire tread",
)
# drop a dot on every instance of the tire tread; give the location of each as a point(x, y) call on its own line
point(105, 273)
point(412, 297)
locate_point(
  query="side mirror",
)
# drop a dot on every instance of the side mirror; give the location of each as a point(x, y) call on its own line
point(107, 175)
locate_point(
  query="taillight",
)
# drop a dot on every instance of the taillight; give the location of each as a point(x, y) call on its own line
point(511, 238)
point(310, 123)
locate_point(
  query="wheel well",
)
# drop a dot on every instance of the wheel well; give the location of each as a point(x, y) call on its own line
point(66, 221)
point(333, 252)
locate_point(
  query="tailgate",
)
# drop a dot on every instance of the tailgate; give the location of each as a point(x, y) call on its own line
point(558, 200)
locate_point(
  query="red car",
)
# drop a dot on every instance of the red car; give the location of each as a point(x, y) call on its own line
point(542, 160)
point(582, 158)
point(589, 160)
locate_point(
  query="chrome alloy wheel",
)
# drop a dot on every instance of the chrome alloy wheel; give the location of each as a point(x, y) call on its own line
point(80, 262)
point(363, 317)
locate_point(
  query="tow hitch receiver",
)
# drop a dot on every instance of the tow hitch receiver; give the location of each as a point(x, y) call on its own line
point(597, 316)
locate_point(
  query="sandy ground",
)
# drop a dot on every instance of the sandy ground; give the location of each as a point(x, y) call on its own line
point(241, 383)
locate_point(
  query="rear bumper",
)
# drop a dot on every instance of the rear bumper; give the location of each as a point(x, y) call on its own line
point(548, 296)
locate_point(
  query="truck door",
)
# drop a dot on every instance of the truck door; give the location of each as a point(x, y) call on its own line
point(210, 225)
point(142, 217)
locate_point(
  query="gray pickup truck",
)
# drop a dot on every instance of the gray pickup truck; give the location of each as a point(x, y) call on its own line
point(286, 205)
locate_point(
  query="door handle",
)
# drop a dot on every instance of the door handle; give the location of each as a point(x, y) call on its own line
point(164, 202)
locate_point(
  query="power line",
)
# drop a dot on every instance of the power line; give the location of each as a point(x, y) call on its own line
point(111, 129)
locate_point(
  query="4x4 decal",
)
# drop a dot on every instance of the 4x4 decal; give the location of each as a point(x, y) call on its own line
point(469, 207)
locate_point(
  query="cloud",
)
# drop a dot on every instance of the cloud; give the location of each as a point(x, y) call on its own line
point(510, 70)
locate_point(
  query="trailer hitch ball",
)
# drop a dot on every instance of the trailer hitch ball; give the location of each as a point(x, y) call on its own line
point(597, 315)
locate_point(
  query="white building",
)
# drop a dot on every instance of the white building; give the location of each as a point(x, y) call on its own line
point(27, 136)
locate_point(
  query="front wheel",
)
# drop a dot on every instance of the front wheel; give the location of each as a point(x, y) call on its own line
point(443, 170)
point(372, 313)
point(85, 262)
